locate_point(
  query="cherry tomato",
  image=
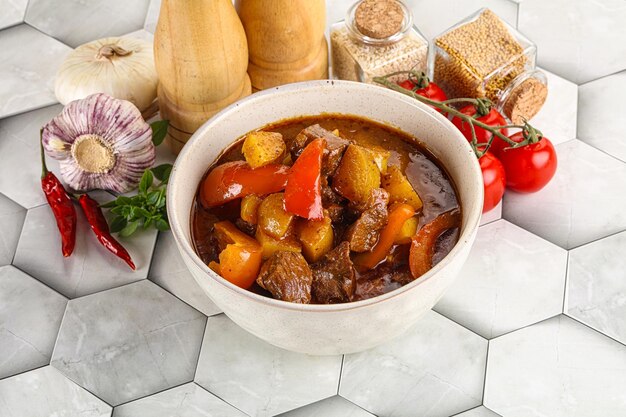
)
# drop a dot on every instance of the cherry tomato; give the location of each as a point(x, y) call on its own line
point(493, 118)
point(494, 180)
point(431, 91)
point(531, 167)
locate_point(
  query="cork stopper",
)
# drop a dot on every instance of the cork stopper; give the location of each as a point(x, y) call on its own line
point(379, 19)
point(525, 100)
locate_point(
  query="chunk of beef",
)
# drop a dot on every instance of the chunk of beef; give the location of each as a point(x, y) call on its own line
point(287, 276)
point(335, 146)
point(363, 233)
point(335, 212)
point(376, 282)
point(334, 278)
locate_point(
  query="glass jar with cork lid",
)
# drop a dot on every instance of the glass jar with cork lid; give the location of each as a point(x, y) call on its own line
point(482, 56)
point(376, 38)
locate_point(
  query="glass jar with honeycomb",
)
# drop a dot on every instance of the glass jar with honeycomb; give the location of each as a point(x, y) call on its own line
point(482, 56)
point(376, 38)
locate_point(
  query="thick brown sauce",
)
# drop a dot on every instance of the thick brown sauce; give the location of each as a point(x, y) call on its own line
point(423, 171)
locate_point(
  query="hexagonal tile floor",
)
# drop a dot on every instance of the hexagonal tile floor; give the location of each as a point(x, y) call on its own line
point(534, 326)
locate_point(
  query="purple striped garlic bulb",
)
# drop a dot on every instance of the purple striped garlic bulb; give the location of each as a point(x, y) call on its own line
point(100, 143)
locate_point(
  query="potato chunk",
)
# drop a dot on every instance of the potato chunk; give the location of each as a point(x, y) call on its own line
point(381, 156)
point(249, 208)
point(357, 174)
point(271, 246)
point(400, 189)
point(263, 148)
point(272, 217)
point(316, 237)
point(409, 229)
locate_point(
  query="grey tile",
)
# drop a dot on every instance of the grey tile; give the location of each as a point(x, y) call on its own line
point(596, 285)
point(187, 400)
point(492, 215)
point(75, 23)
point(44, 392)
point(29, 63)
point(600, 117)
point(91, 268)
point(481, 411)
point(11, 221)
point(557, 117)
point(19, 143)
point(580, 204)
point(330, 407)
point(556, 368)
point(30, 316)
point(128, 342)
point(12, 12)
point(436, 369)
point(169, 271)
point(258, 378)
point(511, 279)
point(580, 40)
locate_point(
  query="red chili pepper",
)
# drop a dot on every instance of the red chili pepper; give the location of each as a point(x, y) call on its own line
point(99, 225)
point(62, 207)
point(303, 194)
point(233, 180)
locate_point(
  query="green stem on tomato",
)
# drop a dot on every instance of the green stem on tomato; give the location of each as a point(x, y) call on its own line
point(444, 107)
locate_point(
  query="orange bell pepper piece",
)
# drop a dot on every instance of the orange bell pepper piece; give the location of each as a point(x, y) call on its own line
point(423, 243)
point(303, 193)
point(398, 214)
point(241, 259)
point(236, 179)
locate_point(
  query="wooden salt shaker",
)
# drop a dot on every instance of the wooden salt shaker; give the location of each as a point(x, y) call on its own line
point(201, 57)
point(285, 40)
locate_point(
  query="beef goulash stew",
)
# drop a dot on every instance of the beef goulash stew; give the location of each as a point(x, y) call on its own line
point(325, 209)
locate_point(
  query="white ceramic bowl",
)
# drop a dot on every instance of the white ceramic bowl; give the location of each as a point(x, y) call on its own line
point(337, 328)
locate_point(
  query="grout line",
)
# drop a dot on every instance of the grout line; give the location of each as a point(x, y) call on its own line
point(482, 401)
point(356, 405)
point(576, 319)
point(601, 77)
point(23, 372)
point(465, 411)
point(195, 371)
point(49, 36)
point(595, 240)
point(566, 283)
point(81, 386)
point(217, 396)
point(343, 357)
point(457, 323)
point(154, 393)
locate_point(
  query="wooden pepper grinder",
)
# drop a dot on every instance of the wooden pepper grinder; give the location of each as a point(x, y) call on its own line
point(285, 40)
point(201, 57)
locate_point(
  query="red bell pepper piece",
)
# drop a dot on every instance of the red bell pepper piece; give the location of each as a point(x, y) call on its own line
point(303, 194)
point(233, 180)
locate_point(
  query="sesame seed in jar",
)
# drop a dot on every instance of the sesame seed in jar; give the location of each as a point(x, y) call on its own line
point(376, 39)
point(482, 57)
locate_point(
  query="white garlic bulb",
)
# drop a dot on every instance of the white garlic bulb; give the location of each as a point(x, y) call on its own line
point(120, 67)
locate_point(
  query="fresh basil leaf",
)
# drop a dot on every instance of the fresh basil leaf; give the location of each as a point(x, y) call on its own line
point(162, 225)
point(153, 197)
point(142, 212)
point(117, 224)
point(119, 210)
point(123, 201)
point(162, 172)
point(129, 229)
point(147, 223)
point(146, 181)
point(159, 130)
